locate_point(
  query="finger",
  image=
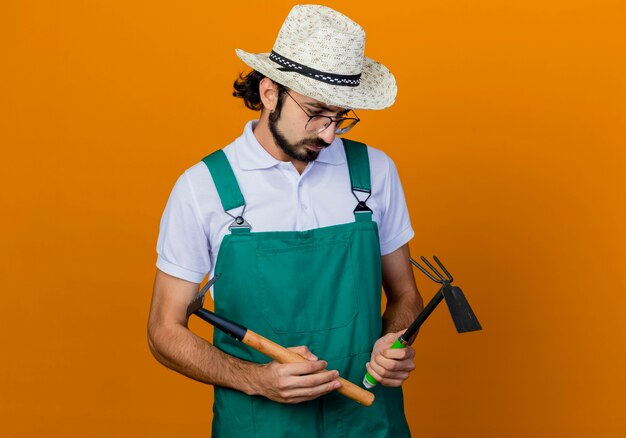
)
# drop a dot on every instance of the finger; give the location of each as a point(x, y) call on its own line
point(386, 381)
point(305, 394)
point(304, 351)
point(388, 340)
point(394, 365)
point(302, 368)
point(396, 335)
point(373, 372)
point(308, 387)
point(390, 371)
point(399, 353)
point(314, 380)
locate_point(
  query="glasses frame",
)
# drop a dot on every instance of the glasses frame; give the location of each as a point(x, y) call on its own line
point(331, 119)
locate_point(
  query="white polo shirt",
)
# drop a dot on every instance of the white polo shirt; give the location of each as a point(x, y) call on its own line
point(278, 198)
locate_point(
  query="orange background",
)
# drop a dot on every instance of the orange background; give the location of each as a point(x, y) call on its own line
point(509, 135)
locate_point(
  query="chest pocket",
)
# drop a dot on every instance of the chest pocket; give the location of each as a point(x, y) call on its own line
point(307, 287)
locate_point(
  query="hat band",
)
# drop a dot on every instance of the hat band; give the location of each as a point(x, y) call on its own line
point(330, 78)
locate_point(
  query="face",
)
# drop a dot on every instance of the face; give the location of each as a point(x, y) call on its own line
point(287, 125)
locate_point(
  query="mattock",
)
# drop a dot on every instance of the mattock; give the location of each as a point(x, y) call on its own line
point(460, 310)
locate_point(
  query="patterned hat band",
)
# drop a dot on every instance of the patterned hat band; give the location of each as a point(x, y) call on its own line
point(330, 78)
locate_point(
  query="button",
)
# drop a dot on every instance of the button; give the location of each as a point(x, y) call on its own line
point(304, 207)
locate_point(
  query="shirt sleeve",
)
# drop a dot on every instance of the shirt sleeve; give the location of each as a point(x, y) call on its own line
point(182, 246)
point(395, 226)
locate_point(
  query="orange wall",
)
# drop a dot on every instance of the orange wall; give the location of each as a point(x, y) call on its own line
point(508, 131)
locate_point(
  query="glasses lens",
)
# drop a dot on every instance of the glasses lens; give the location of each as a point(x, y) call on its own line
point(344, 125)
point(318, 123)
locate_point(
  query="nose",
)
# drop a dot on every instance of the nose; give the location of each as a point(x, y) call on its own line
point(328, 134)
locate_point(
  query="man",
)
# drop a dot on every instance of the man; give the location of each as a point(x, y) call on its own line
point(295, 221)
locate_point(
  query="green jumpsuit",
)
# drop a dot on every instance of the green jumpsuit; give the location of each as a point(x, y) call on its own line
point(320, 288)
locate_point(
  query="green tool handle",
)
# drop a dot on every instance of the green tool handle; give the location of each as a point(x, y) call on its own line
point(368, 380)
point(398, 344)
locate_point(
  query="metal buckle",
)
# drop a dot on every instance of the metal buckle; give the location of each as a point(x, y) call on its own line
point(239, 222)
point(362, 207)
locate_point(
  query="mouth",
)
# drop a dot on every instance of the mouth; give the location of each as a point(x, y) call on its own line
point(314, 148)
point(315, 145)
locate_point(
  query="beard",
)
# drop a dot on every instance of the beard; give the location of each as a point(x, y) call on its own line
point(295, 150)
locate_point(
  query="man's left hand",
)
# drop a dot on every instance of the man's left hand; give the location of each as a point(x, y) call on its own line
point(390, 366)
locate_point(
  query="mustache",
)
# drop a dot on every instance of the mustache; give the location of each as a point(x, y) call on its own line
point(314, 142)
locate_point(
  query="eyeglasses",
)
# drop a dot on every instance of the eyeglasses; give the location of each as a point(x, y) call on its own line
point(318, 123)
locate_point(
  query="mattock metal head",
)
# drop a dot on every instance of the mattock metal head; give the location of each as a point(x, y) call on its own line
point(462, 314)
point(198, 300)
point(448, 279)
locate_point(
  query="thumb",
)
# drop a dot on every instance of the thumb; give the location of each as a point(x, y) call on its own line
point(396, 335)
point(389, 339)
point(303, 351)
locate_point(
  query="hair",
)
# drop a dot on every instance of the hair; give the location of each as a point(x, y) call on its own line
point(246, 86)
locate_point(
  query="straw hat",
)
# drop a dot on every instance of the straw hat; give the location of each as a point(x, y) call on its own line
point(319, 53)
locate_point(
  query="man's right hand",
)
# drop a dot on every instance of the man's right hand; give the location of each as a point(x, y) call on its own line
point(296, 382)
point(177, 348)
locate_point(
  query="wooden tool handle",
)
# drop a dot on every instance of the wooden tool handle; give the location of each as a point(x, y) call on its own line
point(283, 355)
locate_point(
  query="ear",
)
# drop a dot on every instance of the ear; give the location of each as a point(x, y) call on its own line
point(269, 94)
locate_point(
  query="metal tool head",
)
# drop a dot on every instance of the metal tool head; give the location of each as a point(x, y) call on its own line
point(198, 300)
point(462, 314)
point(440, 278)
point(460, 310)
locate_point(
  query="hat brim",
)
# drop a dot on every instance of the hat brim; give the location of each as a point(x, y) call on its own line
point(377, 89)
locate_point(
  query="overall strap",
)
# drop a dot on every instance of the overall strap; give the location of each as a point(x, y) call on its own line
point(359, 166)
point(227, 187)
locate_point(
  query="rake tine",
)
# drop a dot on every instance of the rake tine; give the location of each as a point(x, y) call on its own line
point(433, 268)
point(450, 278)
point(417, 265)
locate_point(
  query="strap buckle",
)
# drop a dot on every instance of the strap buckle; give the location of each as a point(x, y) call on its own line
point(239, 222)
point(361, 206)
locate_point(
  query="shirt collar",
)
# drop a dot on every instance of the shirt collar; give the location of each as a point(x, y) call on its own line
point(332, 154)
point(252, 155)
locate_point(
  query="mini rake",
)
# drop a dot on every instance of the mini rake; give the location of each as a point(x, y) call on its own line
point(460, 310)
